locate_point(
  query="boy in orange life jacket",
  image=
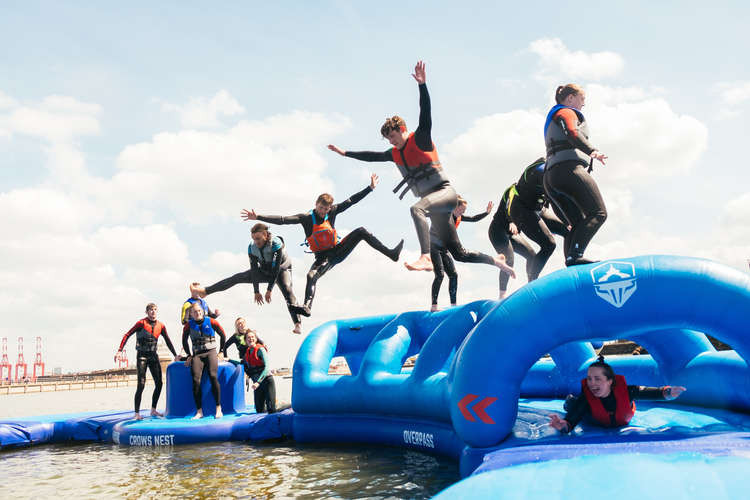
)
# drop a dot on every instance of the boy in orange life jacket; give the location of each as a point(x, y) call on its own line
point(147, 332)
point(608, 399)
point(320, 233)
point(416, 157)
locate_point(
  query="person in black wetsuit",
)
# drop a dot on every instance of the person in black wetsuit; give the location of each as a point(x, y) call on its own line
point(238, 339)
point(442, 262)
point(506, 240)
point(607, 399)
point(202, 330)
point(147, 332)
point(256, 359)
point(526, 209)
point(416, 157)
point(566, 180)
point(269, 263)
point(320, 235)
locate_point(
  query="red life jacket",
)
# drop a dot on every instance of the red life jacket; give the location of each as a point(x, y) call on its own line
point(421, 169)
point(413, 157)
point(147, 336)
point(323, 236)
point(155, 331)
point(251, 355)
point(624, 410)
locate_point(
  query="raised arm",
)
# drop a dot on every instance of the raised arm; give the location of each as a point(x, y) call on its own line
point(356, 197)
point(249, 215)
point(423, 134)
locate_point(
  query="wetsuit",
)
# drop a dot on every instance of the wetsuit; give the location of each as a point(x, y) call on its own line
point(526, 209)
point(237, 339)
point(325, 260)
point(442, 263)
point(147, 338)
point(203, 337)
point(188, 303)
point(507, 243)
point(265, 394)
point(269, 264)
point(567, 182)
point(577, 407)
point(418, 163)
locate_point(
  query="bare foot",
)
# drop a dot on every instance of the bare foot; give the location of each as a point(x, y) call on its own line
point(155, 413)
point(423, 263)
point(297, 329)
point(505, 268)
point(137, 416)
point(218, 414)
point(502, 295)
point(434, 308)
point(197, 290)
point(198, 415)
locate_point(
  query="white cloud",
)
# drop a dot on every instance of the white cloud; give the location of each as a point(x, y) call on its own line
point(56, 119)
point(558, 62)
point(200, 112)
point(6, 101)
point(732, 96)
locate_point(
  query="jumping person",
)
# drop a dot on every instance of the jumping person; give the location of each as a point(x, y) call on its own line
point(147, 332)
point(256, 358)
point(442, 263)
point(202, 332)
point(195, 297)
point(566, 179)
point(320, 235)
point(526, 209)
point(269, 263)
point(416, 158)
point(608, 399)
point(506, 240)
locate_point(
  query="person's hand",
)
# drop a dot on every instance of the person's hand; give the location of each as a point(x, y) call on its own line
point(268, 296)
point(248, 214)
point(598, 155)
point(216, 313)
point(419, 73)
point(255, 385)
point(512, 228)
point(337, 149)
point(489, 207)
point(671, 392)
point(374, 179)
point(188, 360)
point(176, 358)
point(259, 299)
point(558, 423)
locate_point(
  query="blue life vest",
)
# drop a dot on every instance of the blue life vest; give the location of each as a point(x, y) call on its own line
point(265, 254)
point(555, 109)
point(202, 335)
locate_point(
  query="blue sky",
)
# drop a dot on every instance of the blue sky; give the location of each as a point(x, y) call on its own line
point(132, 135)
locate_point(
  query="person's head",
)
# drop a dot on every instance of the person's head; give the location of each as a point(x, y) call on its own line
point(260, 234)
point(570, 95)
point(394, 129)
point(600, 378)
point(240, 325)
point(151, 311)
point(460, 207)
point(323, 204)
point(193, 290)
point(251, 338)
point(197, 312)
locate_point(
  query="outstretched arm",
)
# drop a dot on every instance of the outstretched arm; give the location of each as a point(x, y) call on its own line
point(423, 134)
point(340, 207)
point(249, 215)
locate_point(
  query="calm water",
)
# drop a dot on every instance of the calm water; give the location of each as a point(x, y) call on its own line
point(227, 470)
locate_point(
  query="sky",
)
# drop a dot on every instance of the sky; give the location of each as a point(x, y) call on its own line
point(132, 135)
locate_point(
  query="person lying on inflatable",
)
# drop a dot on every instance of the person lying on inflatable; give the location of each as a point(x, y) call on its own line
point(608, 399)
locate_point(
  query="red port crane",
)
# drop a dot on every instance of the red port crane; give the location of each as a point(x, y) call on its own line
point(21, 363)
point(5, 363)
point(38, 358)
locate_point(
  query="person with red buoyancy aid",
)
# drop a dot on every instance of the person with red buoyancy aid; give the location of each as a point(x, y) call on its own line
point(608, 399)
point(256, 359)
point(441, 261)
point(567, 182)
point(147, 333)
point(417, 160)
point(269, 263)
point(320, 235)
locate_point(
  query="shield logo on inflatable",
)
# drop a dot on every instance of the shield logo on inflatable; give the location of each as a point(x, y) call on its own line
point(614, 281)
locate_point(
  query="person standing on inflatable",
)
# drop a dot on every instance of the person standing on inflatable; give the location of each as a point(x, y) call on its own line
point(526, 209)
point(608, 399)
point(416, 158)
point(442, 262)
point(566, 180)
point(269, 263)
point(147, 332)
point(256, 358)
point(202, 332)
point(320, 235)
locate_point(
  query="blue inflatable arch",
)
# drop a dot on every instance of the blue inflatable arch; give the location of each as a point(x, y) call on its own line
point(665, 303)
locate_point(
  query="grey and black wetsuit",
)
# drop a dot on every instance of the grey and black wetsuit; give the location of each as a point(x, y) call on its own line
point(507, 243)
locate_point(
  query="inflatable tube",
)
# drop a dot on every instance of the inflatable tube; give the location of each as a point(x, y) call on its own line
point(180, 401)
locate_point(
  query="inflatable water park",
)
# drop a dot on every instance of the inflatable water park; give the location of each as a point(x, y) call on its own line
point(488, 377)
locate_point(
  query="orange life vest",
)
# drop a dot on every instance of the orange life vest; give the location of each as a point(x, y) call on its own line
point(323, 236)
point(458, 220)
point(421, 169)
point(624, 410)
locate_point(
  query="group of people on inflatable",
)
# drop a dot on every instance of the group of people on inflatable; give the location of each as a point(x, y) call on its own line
point(552, 189)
